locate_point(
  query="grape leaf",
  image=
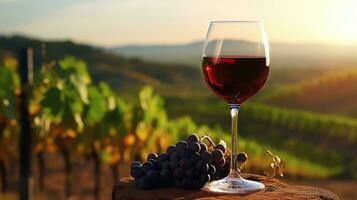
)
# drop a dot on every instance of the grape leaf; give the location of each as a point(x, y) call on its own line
point(74, 72)
point(80, 86)
point(96, 108)
point(71, 65)
point(52, 103)
point(7, 92)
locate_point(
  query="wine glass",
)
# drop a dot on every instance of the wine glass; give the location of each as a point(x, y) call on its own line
point(235, 66)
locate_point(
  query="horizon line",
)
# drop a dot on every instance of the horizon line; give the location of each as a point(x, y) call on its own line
point(2, 34)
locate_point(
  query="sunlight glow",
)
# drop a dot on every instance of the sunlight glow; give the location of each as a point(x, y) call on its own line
point(343, 20)
point(112, 22)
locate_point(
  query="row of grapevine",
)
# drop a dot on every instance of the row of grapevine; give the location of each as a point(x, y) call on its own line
point(329, 78)
point(332, 126)
point(71, 115)
point(9, 83)
point(283, 128)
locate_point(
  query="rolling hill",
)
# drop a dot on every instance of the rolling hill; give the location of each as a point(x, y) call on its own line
point(316, 89)
point(122, 73)
point(282, 55)
point(334, 92)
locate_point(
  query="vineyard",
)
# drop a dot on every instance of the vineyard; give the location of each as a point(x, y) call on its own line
point(331, 126)
point(324, 139)
point(72, 116)
point(327, 78)
point(333, 92)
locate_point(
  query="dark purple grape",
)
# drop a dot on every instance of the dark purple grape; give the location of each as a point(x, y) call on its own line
point(203, 147)
point(155, 163)
point(192, 173)
point(185, 163)
point(137, 172)
point(217, 155)
point(166, 165)
point(147, 166)
point(192, 138)
point(185, 153)
point(220, 147)
point(174, 164)
point(202, 166)
point(195, 157)
point(162, 158)
point(175, 156)
point(220, 162)
point(242, 157)
point(211, 170)
point(186, 183)
point(151, 156)
point(206, 156)
point(204, 178)
point(181, 145)
point(170, 149)
point(135, 163)
point(196, 184)
point(165, 173)
point(218, 170)
point(194, 147)
point(154, 177)
point(166, 178)
point(224, 172)
point(179, 173)
point(145, 183)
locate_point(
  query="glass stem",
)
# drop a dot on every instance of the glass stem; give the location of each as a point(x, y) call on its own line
point(234, 133)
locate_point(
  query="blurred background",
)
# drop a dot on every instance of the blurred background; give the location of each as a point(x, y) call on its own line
point(115, 80)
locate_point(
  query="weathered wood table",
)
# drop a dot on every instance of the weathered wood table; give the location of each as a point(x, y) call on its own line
point(274, 189)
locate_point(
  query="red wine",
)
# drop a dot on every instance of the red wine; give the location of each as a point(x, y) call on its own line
point(235, 78)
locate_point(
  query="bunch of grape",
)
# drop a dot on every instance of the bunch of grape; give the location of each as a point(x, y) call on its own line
point(189, 164)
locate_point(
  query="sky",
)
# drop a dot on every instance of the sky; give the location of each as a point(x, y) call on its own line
point(120, 22)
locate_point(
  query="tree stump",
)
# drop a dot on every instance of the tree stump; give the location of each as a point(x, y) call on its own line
point(274, 189)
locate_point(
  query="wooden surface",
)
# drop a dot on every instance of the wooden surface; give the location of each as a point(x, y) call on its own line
point(274, 189)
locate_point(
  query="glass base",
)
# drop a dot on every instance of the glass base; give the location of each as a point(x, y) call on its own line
point(234, 184)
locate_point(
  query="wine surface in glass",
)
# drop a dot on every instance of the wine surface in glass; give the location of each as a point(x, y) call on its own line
point(235, 78)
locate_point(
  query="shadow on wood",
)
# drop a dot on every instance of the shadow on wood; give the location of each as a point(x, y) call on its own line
point(274, 190)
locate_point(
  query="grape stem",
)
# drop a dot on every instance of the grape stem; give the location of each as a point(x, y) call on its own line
point(206, 137)
point(211, 143)
point(277, 167)
point(228, 152)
